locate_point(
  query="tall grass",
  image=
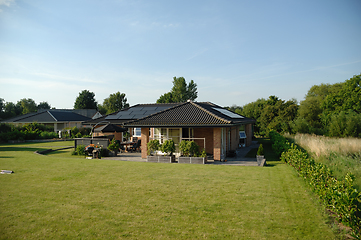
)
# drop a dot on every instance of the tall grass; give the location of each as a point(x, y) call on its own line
point(341, 155)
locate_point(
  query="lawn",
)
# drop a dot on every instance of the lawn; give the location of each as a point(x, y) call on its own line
point(66, 197)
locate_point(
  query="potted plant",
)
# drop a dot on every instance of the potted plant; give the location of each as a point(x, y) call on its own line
point(168, 147)
point(190, 150)
point(260, 156)
point(183, 148)
point(113, 148)
point(153, 146)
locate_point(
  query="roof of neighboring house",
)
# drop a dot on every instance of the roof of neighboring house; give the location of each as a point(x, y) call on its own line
point(48, 116)
point(132, 113)
point(191, 114)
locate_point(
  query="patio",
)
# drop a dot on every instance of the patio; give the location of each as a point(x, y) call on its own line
point(238, 160)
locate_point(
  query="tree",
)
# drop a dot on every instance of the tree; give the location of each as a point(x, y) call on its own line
point(180, 92)
point(11, 110)
point(27, 105)
point(115, 102)
point(310, 110)
point(85, 100)
point(44, 105)
point(2, 107)
point(344, 96)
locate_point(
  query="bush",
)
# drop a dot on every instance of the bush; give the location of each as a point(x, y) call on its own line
point(279, 143)
point(189, 148)
point(168, 147)
point(339, 195)
point(152, 145)
point(260, 151)
point(48, 135)
point(80, 150)
point(114, 145)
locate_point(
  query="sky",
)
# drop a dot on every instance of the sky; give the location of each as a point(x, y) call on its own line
point(235, 51)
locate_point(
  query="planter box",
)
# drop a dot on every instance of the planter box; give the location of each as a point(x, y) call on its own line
point(166, 159)
point(161, 159)
point(261, 161)
point(193, 160)
point(152, 158)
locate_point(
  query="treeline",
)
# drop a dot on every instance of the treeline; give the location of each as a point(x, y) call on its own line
point(32, 131)
point(328, 109)
point(85, 100)
point(23, 106)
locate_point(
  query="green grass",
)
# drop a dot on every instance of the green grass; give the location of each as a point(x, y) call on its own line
point(62, 197)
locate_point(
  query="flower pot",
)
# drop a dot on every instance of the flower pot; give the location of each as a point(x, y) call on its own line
point(261, 160)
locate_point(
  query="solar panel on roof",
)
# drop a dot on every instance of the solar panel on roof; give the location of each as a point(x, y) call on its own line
point(137, 108)
point(228, 113)
point(149, 108)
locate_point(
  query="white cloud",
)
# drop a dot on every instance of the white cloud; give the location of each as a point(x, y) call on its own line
point(6, 2)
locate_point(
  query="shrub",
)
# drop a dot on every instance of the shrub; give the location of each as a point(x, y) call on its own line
point(80, 150)
point(152, 145)
point(168, 147)
point(260, 151)
point(279, 143)
point(114, 145)
point(183, 148)
point(339, 195)
point(189, 148)
point(48, 135)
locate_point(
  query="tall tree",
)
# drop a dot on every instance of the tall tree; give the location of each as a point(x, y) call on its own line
point(27, 105)
point(180, 92)
point(2, 107)
point(85, 100)
point(11, 110)
point(115, 102)
point(44, 105)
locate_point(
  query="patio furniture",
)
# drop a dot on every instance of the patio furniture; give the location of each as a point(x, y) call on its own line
point(135, 146)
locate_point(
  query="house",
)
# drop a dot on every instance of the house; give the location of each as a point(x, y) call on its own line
point(57, 118)
point(214, 128)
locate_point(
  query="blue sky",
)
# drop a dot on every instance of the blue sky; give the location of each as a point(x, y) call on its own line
point(236, 51)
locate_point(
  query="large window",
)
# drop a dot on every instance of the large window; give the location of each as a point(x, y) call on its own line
point(137, 132)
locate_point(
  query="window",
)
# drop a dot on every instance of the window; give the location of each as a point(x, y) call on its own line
point(137, 132)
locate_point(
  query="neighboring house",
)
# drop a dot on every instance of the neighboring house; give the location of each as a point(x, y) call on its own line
point(57, 118)
point(214, 128)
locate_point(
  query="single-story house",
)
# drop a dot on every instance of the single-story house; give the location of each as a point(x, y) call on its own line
point(214, 128)
point(57, 118)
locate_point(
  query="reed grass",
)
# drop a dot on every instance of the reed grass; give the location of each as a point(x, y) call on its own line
point(341, 155)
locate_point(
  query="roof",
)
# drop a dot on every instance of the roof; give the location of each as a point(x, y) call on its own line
point(132, 113)
point(191, 114)
point(110, 128)
point(48, 116)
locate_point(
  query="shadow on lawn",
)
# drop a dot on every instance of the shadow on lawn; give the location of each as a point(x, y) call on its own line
point(19, 149)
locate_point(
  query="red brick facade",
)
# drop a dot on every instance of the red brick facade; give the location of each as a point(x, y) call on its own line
point(217, 143)
point(144, 141)
point(206, 133)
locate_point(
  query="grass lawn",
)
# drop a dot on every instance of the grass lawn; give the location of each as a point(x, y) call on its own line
point(65, 197)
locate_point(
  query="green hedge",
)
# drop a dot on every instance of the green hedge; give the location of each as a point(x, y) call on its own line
point(32, 131)
point(339, 195)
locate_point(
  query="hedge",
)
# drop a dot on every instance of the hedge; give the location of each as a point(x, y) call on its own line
point(339, 195)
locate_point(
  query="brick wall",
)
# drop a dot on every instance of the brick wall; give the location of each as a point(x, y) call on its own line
point(144, 141)
point(204, 133)
point(217, 140)
point(234, 138)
